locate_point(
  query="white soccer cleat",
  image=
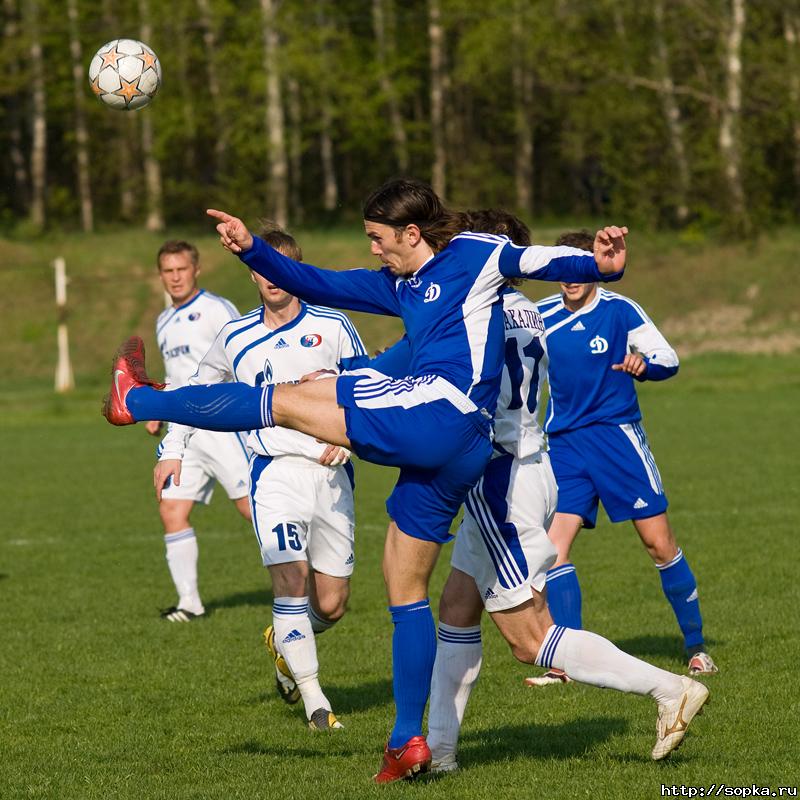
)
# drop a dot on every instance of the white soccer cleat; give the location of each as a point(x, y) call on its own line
point(702, 664)
point(447, 763)
point(550, 678)
point(675, 715)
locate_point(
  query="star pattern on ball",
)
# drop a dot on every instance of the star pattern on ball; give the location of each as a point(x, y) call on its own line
point(110, 58)
point(148, 58)
point(96, 86)
point(129, 90)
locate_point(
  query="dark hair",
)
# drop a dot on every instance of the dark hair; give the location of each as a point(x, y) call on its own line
point(406, 201)
point(497, 221)
point(582, 239)
point(178, 246)
point(276, 237)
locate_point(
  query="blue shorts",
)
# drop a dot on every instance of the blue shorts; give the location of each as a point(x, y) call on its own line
point(429, 429)
point(611, 464)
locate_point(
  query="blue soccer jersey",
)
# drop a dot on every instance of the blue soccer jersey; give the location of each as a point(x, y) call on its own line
point(583, 345)
point(450, 306)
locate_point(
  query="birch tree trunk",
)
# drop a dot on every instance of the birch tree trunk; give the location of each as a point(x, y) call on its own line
point(295, 150)
point(672, 113)
point(15, 152)
point(38, 118)
point(330, 186)
point(437, 98)
point(791, 33)
point(81, 132)
point(278, 170)
point(211, 61)
point(522, 81)
point(152, 169)
point(384, 49)
point(730, 117)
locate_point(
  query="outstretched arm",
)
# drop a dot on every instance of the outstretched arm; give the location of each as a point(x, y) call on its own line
point(357, 289)
point(569, 264)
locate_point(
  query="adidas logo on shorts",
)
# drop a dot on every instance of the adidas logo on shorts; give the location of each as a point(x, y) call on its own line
point(294, 636)
point(351, 559)
point(640, 503)
point(489, 594)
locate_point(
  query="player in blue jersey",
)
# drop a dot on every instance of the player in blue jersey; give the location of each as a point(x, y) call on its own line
point(301, 491)
point(184, 332)
point(502, 551)
point(434, 424)
point(599, 342)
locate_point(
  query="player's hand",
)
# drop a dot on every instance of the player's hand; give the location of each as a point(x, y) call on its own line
point(333, 456)
point(320, 373)
point(609, 248)
point(164, 470)
point(153, 426)
point(232, 231)
point(633, 364)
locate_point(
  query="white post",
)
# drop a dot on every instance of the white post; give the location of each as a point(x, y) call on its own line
point(64, 378)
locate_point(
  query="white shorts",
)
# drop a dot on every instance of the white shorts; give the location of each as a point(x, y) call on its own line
point(212, 457)
point(502, 541)
point(303, 511)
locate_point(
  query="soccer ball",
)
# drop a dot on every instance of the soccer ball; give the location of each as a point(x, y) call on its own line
point(125, 74)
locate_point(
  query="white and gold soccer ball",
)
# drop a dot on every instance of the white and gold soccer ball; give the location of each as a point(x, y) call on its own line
point(125, 74)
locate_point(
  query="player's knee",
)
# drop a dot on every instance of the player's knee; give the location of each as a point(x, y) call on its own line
point(174, 518)
point(334, 605)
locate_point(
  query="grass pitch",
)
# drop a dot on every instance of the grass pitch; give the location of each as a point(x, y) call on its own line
point(101, 699)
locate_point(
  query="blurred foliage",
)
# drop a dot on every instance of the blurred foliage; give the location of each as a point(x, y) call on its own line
point(602, 145)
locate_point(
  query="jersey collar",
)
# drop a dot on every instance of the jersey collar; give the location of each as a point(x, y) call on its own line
point(288, 326)
point(189, 302)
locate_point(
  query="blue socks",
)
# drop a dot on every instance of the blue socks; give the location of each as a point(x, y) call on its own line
point(413, 654)
point(218, 407)
point(680, 588)
point(564, 596)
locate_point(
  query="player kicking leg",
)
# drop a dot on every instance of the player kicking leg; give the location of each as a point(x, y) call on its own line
point(500, 560)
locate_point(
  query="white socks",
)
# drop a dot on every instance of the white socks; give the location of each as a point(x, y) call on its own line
point(182, 563)
point(295, 641)
point(319, 624)
point(455, 672)
point(589, 658)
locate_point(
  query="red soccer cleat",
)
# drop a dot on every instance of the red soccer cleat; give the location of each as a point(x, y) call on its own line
point(406, 762)
point(127, 373)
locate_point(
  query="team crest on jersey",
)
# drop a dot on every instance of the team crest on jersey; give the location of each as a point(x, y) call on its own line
point(432, 292)
point(413, 282)
point(598, 345)
point(311, 340)
point(194, 316)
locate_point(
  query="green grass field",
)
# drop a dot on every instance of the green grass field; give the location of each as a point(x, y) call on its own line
point(100, 699)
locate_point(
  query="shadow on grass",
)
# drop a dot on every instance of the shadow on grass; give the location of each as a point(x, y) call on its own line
point(260, 598)
point(253, 748)
point(650, 646)
point(346, 699)
point(568, 740)
point(364, 696)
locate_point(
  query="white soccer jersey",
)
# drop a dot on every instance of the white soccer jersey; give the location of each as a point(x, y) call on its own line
point(184, 334)
point(517, 430)
point(247, 351)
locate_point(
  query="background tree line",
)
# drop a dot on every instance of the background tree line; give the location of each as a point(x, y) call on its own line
point(658, 112)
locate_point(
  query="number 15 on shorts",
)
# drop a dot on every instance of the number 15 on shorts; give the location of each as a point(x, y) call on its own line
point(287, 535)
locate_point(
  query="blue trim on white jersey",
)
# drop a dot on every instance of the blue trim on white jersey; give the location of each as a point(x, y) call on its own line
point(283, 328)
point(328, 313)
point(257, 466)
point(255, 314)
point(229, 307)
